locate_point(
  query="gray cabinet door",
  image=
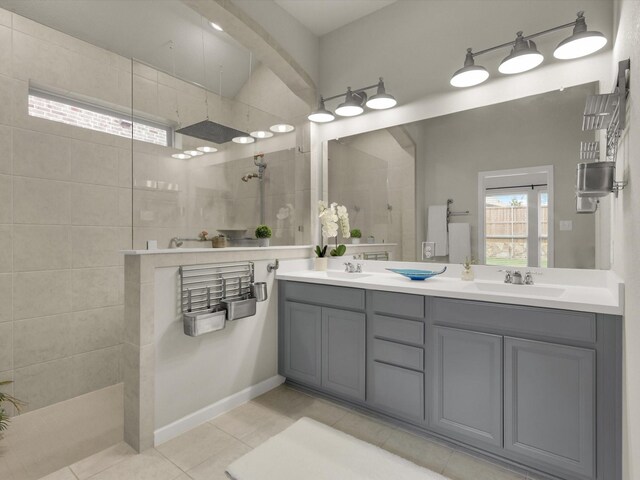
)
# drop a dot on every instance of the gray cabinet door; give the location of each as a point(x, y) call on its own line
point(302, 342)
point(550, 405)
point(396, 391)
point(343, 352)
point(467, 385)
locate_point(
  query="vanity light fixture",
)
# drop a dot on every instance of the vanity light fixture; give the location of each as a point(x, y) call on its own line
point(207, 149)
point(381, 100)
point(469, 75)
point(354, 102)
point(282, 128)
point(352, 105)
point(181, 156)
point(321, 114)
point(261, 134)
point(581, 42)
point(525, 56)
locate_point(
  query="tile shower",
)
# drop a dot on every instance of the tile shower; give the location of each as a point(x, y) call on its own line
point(72, 198)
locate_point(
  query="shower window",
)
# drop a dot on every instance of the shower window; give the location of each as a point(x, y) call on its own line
point(83, 115)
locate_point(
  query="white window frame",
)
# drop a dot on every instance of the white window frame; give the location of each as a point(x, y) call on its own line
point(513, 177)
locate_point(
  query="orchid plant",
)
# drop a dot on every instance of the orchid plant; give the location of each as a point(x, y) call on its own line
point(334, 219)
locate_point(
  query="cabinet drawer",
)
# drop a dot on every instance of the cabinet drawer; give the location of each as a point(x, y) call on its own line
point(397, 354)
point(409, 331)
point(339, 297)
point(397, 391)
point(400, 304)
point(516, 319)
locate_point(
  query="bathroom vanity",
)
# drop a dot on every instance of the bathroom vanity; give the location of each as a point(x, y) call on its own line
point(539, 387)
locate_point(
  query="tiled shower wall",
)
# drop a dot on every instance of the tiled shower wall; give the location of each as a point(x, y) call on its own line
point(67, 206)
point(208, 192)
point(65, 212)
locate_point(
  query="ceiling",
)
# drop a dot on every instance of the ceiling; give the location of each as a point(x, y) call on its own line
point(324, 16)
point(144, 29)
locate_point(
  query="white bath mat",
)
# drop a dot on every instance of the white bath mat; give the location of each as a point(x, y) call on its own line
point(309, 450)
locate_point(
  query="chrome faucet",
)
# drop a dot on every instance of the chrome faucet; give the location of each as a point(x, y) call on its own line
point(516, 278)
point(351, 268)
point(507, 275)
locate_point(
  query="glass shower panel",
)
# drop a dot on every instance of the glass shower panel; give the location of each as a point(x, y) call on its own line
point(205, 181)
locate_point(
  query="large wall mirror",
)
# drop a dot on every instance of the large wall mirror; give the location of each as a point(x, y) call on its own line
point(508, 168)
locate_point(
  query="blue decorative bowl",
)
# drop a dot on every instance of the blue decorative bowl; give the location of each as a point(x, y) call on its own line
point(416, 274)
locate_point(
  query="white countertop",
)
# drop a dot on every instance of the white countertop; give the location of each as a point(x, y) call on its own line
point(579, 290)
point(159, 251)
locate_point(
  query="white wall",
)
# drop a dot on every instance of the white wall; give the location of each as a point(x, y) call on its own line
point(196, 372)
point(294, 37)
point(626, 232)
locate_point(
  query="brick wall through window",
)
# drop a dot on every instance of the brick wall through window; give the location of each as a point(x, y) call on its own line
point(72, 114)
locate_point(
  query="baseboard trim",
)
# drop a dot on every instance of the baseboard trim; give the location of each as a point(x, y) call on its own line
point(210, 412)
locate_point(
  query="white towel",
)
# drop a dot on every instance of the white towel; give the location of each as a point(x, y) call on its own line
point(437, 229)
point(459, 242)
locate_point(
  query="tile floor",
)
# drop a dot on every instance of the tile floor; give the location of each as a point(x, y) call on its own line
point(204, 452)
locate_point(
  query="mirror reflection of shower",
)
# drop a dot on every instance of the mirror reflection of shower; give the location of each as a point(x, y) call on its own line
point(260, 162)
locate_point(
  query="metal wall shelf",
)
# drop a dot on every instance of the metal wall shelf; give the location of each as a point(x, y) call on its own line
point(216, 281)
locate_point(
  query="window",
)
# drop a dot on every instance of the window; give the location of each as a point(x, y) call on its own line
point(516, 217)
point(84, 115)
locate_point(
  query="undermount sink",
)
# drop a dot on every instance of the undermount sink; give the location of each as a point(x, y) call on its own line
point(337, 274)
point(528, 290)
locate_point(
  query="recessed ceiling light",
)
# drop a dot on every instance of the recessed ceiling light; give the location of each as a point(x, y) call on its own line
point(282, 128)
point(261, 134)
point(193, 153)
point(216, 26)
point(207, 149)
point(243, 140)
point(181, 156)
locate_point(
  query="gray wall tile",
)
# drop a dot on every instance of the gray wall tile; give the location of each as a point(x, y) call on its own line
point(44, 202)
point(43, 339)
point(38, 294)
point(41, 247)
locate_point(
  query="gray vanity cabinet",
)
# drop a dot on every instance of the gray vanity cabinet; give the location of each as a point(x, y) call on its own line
point(302, 342)
point(321, 346)
point(395, 373)
point(538, 387)
point(549, 399)
point(343, 352)
point(467, 385)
